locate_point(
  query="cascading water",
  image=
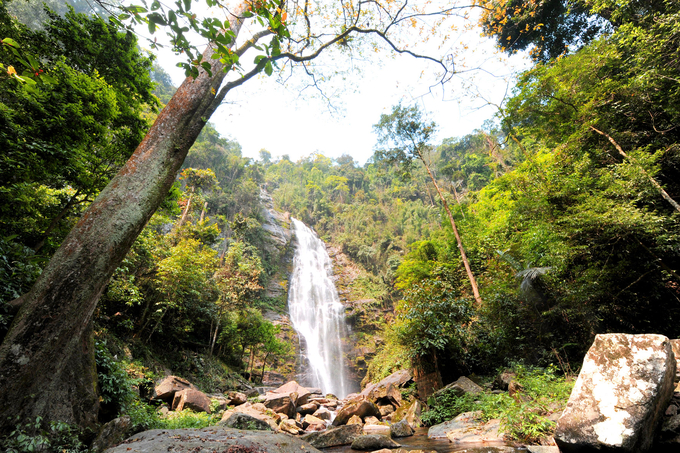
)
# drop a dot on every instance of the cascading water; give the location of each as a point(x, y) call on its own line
point(316, 312)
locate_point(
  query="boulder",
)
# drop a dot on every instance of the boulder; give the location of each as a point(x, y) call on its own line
point(360, 408)
point(322, 413)
point(112, 433)
point(312, 420)
point(620, 395)
point(308, 408)
point(214, 438)
point(192, 399)
point(371, 420)
point(385, 410)
point(410, 413)
point(250, 410)
point(289, 426)
point(503, 380)
point(460, 387)
point(167, 387)
point(236, 398)
point(467, 428)
point(385, 394)
point(401, 429)
point(239, 420)
point(373, 442)
point(342, 435)
point(278, 402)
point(355, 420)
point(302, 393)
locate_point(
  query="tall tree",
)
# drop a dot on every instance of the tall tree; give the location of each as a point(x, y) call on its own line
point(406, 135)
point(47, 358)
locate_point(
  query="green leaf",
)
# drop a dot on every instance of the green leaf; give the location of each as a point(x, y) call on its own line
point(268, 69)
point(10, 42)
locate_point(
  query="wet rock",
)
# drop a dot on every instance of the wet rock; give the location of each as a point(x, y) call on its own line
point(214, 438)
point(112, 433)
point(167, 387)
point(619, 398)
point(371, 442)
point(342, 435)
point(192, 399)
point(401, 429)
point(361, 408)
point(238, 420)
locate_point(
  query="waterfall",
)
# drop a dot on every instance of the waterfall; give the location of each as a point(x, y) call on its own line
point(316, 312)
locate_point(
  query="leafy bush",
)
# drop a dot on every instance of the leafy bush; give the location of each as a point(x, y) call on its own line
point(38, 436)
point(523, 416)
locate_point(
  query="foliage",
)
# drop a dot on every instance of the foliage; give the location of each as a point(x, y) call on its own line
point(523, 416)
point(38, 436)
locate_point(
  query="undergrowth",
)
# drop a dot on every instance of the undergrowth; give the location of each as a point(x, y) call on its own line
point(523, 416)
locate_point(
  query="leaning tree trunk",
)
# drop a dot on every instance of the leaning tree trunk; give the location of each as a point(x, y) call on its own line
point(47, 365)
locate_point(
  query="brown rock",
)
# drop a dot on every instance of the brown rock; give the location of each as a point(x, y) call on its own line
point(112, 433)
point(322, 413)
point(278, 402)
point(236, 398)
point(503, 380)
point(312, 420)
point(238, 420)
point(166, 388)
point(385, 410)
point(302, 393)
point(192, 399)
point(355, 420)
point(371, 420)
point(460, 387)
point(401, 429)
point(362, 408)
point(289, 426)
point(308, 408)
point(373, 442)
point(342, 435)
point(619, 398)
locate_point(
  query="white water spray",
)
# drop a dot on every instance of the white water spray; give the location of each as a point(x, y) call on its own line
point(316, 312)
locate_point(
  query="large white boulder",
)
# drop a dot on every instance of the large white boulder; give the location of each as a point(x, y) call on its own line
point(620, 395)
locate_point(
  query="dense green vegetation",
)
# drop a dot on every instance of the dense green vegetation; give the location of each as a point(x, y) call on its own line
point(564, 204)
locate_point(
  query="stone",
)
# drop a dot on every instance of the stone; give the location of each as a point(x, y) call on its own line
point(385, 410)
point(462, 421)
point(361, 408)
point(355, 420)
point(514, 388)
point(467, 428)
point(372, 442)
point(371, 420)
point(322, 413)
point(312, 420)
point(302, 393)
point(401, 429)
point(278, 402)
point(542, 449)
point(214, 438)
point(314, 428)
point(621, 393)
point(675, 346)
point(460, 387)
point(192, 399)
point(503, 380)
point(385, 394)
point(289, 426)
point(383, 450)
point(308, 408)
point(410, 413)
point(250, 410)
point(239, 420)
point(342, 435)
point(167, 387)
point(236, 398)
point(221, 402)
point(112, 433)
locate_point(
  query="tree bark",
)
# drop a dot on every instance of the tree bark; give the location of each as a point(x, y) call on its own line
point(47, 365)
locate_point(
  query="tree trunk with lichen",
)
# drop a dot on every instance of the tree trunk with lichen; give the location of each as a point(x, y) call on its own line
point(47, 365)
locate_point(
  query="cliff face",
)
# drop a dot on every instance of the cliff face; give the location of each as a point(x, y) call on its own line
point(279, 246)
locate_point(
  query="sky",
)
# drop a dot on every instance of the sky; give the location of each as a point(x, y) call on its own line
point(287, 119)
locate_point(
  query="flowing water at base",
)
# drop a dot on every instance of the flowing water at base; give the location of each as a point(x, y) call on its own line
point(419, 441)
